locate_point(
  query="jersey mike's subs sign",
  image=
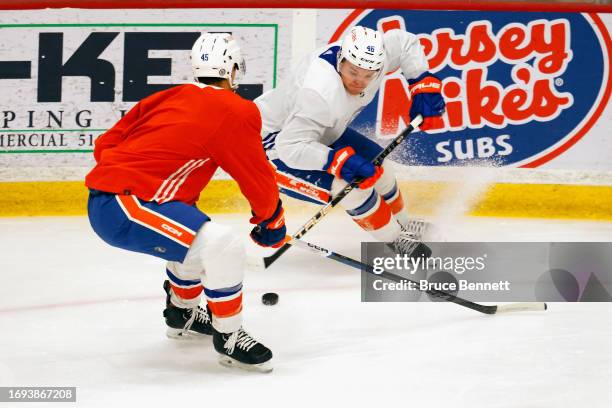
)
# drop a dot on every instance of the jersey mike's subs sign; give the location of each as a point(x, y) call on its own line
point(521, 88)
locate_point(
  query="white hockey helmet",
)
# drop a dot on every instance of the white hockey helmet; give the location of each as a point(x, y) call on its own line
point(215, 55)
point(364, 48)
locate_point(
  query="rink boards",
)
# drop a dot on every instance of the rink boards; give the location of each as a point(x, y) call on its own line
point(423, 198)
point(49, 121)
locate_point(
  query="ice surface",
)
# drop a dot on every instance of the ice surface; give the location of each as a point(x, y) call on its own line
point(76, 312)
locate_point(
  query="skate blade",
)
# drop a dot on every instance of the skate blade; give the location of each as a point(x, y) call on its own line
point(177, 334)
point(264, 367)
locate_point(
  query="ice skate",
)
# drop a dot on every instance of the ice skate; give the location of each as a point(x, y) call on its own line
point(417, 227)
point(186, 323)
point(409, 243)
point(239, 349)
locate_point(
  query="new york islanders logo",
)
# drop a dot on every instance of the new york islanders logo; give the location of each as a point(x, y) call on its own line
point(521, 88)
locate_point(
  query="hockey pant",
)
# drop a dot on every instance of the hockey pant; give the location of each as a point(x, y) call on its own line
point(203, 256)
point(379, 210)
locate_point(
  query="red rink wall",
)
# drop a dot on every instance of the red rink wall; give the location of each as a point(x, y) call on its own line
point(520, 5)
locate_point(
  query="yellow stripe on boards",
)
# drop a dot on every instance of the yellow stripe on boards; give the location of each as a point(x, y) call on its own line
point(547, 201)
point(70, 198)
point(422, 198)
point(43, 198)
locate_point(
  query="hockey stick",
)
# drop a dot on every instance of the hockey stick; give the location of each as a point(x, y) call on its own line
point(269, 260)
point(486, 309)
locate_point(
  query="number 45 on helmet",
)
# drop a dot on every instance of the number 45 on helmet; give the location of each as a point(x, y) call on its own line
point(217, 55)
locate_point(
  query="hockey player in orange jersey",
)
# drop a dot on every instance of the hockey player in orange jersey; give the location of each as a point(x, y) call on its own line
point(152, 166)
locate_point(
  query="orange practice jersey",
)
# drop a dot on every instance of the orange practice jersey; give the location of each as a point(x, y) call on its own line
point(168, 146)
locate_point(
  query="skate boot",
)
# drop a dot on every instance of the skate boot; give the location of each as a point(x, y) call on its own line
point(408, 243)
point(417, 227)
point(186, 323)
point(239, 349)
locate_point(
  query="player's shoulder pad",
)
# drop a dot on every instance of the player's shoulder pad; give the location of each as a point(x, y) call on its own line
point(249, 109)
point(243, 110)
point(225, 97)
point(403, 49)
point(322, 78)
point(400, 43)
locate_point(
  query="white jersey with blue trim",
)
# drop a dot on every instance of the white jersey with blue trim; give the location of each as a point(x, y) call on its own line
point(311, 110)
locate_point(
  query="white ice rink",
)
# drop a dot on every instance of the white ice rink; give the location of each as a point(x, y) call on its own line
point(76, 312)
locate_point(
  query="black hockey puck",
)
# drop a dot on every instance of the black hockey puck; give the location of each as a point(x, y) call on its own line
point(269, 298)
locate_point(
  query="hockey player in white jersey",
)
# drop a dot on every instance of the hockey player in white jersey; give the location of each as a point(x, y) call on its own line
point(306, 136)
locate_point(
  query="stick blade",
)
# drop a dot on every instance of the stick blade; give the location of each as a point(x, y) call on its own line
point(522, 307)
